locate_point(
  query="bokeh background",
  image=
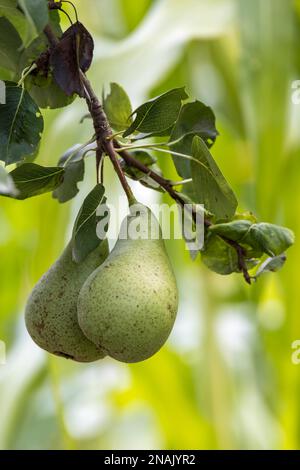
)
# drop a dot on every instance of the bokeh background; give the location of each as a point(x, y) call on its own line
point(225, 379)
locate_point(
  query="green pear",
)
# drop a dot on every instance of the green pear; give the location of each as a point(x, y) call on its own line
point(51, 311)
point(127, 306)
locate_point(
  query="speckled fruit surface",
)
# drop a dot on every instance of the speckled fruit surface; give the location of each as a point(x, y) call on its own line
point(51, 311)
point(128, 305)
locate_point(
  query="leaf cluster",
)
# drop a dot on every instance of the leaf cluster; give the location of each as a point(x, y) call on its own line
point(172, 124)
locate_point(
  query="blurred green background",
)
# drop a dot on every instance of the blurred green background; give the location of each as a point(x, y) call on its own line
point(225, 379)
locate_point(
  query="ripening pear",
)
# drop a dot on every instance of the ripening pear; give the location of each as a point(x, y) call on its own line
point(51, 311)
point(127, 306)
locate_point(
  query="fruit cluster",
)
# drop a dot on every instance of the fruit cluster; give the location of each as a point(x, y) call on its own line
point(121, 304)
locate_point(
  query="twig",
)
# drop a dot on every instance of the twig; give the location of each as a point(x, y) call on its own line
point(53, 40)
point(100, 122)
point(52, 5)
point(67, 15)
point(103, 133)
point(102, 128)
point(27, 71)
point(105, 144)
point(73, 6)
point(86, 116)
point(241, 258)
point(113, 156)
point(167, 186)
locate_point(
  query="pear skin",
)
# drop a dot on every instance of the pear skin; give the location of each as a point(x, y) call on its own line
point(51, 311)
point(128, 306)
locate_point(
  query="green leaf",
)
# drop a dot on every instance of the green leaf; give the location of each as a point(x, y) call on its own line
point(75, 153)
point(148, 182)
point(31, 53)
point(74, 172)
point(30, 158)
point(8, 9)
point(220, 257)
point(245, 216)
point(73, 163)
point(7, 186)
point(159, 114)
point(144, 157)
point(271, 265)
point(39, 45)
point(187, 191)
point(84, 237)
point(194, 119)
point(21, 125)
point(6, 75)
point(235, 230)
point(31, 179)
point(252, 251)
point(192, 228)
point(36, 12)
point(210, 186)
point(239, 231)
point(256, 238)
point(24, 24)
point(10, 46)
point(46, 93)
point(272, 239)
point(118, 108)
point(54, 21)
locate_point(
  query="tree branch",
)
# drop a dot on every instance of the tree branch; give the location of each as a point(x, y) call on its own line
point(102, 128)
point(105, 144)
point(53, 5)
point(103, 133)
point(167, 186)
point(164, 183)
point(52, 39)
point(241, 258)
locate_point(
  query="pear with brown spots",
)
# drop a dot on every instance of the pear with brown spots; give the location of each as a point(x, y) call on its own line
point(128, 306)
point(51, 311)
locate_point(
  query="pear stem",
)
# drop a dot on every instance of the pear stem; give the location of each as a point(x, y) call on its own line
point(116, 163)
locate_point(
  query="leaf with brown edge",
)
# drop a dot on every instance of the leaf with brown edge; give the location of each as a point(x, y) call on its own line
point(73, 52)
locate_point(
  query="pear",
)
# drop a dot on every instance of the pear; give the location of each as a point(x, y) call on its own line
point(51, 311)
point(127, 306)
